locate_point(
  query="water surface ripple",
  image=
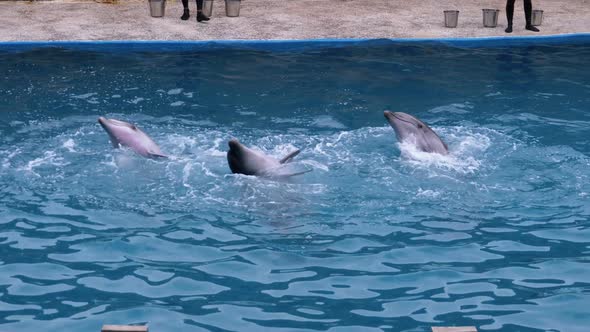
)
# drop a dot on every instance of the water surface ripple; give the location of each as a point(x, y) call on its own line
point(378, 237)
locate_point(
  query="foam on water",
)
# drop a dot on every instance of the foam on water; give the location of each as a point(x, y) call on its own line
point(466, 150)
point(49, 158)
point(69, 144)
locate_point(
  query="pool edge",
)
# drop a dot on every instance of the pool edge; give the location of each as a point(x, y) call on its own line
point(294, 44)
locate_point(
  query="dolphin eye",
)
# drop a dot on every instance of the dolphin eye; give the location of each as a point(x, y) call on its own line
point(133, 127)
point(420, 126)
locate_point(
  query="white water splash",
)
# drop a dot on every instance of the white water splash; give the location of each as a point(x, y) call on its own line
point(9, 155)
point(49, 158)
point(465, 150)
point(186, 173)
point(69, 144)
point(216, 150)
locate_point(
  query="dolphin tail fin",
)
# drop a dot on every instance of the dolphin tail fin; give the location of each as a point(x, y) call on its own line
point(290, 156)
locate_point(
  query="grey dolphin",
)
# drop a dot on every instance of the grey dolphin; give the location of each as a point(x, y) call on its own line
point(126, 134)
point(244, 160)
point(409, 128)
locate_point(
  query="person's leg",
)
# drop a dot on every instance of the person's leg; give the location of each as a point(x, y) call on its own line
point(186, 13)
point(528, 13)
point(200, 15)
point(509, 14)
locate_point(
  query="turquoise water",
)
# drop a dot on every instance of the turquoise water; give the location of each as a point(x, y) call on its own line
point(377, 237)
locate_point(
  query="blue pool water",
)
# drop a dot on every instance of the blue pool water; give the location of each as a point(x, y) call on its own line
point(377, 237)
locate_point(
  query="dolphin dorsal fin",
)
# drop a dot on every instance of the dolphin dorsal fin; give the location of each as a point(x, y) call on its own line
point(289, 157)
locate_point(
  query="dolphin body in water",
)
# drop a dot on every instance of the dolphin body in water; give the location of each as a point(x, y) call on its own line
point(244, 160)
point(122, 133)
point(408, 128)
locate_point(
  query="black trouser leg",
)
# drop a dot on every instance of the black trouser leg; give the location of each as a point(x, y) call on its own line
point(200, 16)
point(509, 15)
point(510, 10)
point(186, 14)
point(528, 11)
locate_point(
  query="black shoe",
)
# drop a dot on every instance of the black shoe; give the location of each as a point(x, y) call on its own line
point(508, 28)
point(201, 17)
point(185, 15)
point(531, 28)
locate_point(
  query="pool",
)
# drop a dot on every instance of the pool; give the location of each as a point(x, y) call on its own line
point(377, 237)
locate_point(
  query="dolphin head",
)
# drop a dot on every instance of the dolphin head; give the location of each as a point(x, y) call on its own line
point(408, 128)
point(123, 133)
point(118, 131)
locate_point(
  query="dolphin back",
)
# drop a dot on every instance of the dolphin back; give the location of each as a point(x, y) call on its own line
point(243, 160)
point(433, 143)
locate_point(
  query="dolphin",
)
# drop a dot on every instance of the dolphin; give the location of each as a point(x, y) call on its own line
point(126, 134)
point(244, 160)
point(408, 128)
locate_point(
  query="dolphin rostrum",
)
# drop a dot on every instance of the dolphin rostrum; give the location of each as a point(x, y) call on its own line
point(126, 134)
point(410, 129)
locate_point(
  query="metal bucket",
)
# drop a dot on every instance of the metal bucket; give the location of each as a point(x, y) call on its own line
point(490, 18)
point(208, 7)
point(537, 17)
point(451, 18)
point(232, 8)
point(157, 8)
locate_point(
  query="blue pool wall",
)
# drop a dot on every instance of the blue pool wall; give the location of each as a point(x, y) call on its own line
point(293, 45)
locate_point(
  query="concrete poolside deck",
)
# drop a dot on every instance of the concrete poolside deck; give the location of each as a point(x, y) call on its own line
point(277, 19)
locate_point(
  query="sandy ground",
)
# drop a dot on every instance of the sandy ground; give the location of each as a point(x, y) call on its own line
point(277, 19)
